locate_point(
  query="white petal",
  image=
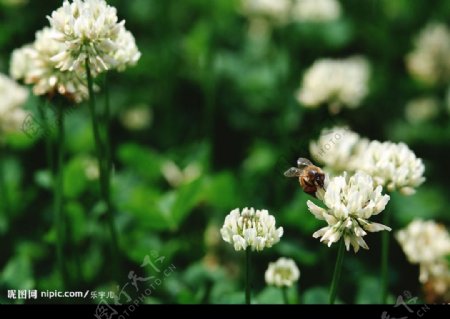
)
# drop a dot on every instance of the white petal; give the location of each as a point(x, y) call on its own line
point(376, 227)
point(321, 232)
point(317, 211)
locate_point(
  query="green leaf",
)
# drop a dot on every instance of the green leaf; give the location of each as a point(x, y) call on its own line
point(221, 190)
point(261, 159)
point(18, 273)
point(296, 214)
point(316, 295)
point(44, 179)
point(79, 136)
point(297, 251)
point(368, 290)
point(92, 262)
point(270, 295)
point(144, 161)
point(174, 206)
point(76, 220)
point(75, 180)
point(427, 203)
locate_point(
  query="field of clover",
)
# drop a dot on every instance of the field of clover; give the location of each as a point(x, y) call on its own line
point(144, 146)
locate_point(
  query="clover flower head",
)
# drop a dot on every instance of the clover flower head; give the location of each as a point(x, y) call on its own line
point(90, 30)
point(275, 11)
point(41, 71)
point(429, 62)
point(316, 10)
point(282, 273)
point(425, 243)
point(350, 202)
point(421, 109)
point(338, 83)
point(335, 147)
point(13, 96)
point(250, 228)
point(392, 165)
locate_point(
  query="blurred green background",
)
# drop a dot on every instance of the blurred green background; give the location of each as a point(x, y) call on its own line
point(207, 122)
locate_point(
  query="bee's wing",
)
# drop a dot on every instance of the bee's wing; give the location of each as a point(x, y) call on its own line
point(293, 172)
point(303, 162)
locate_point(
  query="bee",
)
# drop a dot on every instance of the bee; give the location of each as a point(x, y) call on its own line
point(310, 176)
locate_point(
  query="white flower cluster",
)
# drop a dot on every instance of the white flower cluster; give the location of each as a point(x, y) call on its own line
point(250, 228)
point(276, 11)
point(349, 202)
point(391, 165)
point(427, 243)
point(284, 11)
point(430, 60)
point(338, 83)
point(89, 30)
point(34, 65)
point(421, 109)
point(282, 273)
point(13, 96)
point(82, 30)
point(137, 117)
point(176, 176)
point(336, 147)
point(316, 10)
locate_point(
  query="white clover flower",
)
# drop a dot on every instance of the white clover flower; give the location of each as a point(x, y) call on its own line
point(13, 96)
point(426, 243)
point(391, 165)
point(276, 11)
point(89, 29)
point(430, 60)
point(40, 70)
point(335, 147)
point(254, 229)
point(338, 83)
point(349, 202)
point(127, 53)
point(316, 10)
point(421, 109)
point(21, 63)
point(91, 168)
point(282, 273)
point(137, 117)
point(176, 177)
point(438, 279)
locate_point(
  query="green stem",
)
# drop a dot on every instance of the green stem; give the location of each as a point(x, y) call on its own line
point(103, 166)
point(106, 120)
point(58, 190)
point(247, 276)
point(337, 271)
point(4, 202)
point(285, 295)
point(47, 138)
point(385, 259)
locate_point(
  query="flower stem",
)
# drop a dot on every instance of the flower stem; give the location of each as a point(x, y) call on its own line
point(337, 271)
point(106, 129)
point(103, 165)
point(59, 193)
point(384, 259)
point(42, 106)
point(4, 203)
point(247, 276)
point(285, 295)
